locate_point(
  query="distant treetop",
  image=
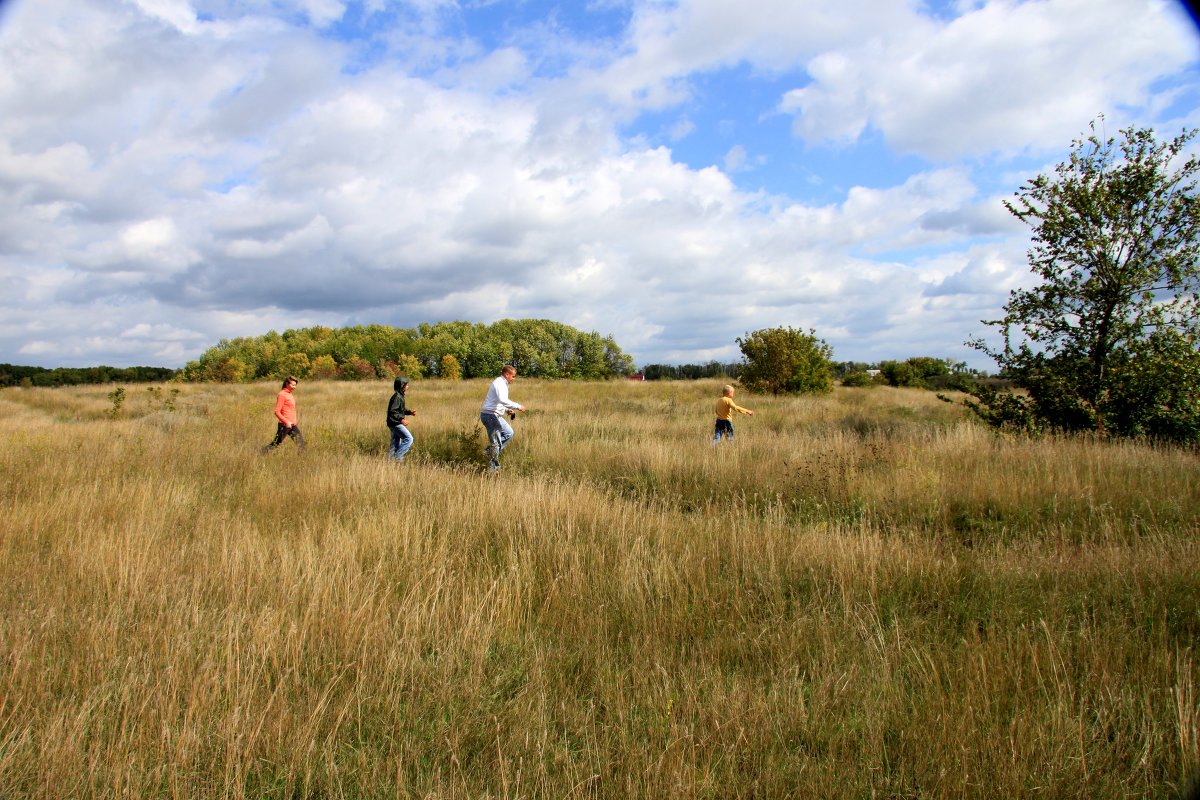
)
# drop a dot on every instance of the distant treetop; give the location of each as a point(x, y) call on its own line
point(538, 348)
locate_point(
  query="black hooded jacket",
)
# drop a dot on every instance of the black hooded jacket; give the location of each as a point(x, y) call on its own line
point(397, 410)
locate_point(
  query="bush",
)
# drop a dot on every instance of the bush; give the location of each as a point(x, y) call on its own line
point(786, 360)
point(859, 378)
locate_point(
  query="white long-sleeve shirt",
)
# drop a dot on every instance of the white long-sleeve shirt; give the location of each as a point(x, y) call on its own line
point(497, 401)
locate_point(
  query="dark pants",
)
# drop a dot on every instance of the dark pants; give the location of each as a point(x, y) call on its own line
point(284, 431)
point(724, 428)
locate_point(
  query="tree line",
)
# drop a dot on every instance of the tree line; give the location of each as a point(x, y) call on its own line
point(689, 372)
point(538, 348)
point(16, 375)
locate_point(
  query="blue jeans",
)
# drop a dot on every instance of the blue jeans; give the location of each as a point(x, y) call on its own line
point(499, 432)
point(401, 442)
point(725, 427)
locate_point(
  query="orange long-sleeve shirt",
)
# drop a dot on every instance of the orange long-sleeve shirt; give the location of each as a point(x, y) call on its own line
point(285, 407)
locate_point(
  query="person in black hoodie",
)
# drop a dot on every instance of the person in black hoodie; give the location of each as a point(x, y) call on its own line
point(402, 440)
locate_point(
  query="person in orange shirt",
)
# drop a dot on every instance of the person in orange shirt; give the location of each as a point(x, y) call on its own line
point(725, 408)
point(285, 412)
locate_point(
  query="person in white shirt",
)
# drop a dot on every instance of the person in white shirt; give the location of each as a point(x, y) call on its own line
point(495, 407)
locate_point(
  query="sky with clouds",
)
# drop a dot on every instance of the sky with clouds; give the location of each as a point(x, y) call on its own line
point(674, 173)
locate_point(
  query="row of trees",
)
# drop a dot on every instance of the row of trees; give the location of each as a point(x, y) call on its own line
point(689, 372)
point(14, 375)
point(452, 350)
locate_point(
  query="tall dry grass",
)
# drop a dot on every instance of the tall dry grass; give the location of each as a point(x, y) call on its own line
point(865, 595)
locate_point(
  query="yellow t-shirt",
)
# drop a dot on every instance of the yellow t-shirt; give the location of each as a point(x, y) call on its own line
point(726, 407)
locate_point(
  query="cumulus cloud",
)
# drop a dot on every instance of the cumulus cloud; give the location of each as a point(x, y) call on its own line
point(1005, 76)
point(170, 177)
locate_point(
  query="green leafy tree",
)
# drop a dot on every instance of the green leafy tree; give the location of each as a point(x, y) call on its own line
point(324, 368)
point(859, 378)
point(296, 364)
point(227, 370)
point(357, 368)
point(117, 397)
point(786, 360)
point(898, 373)
point(616, 362)
point(410, 366)
point(590, 357)
point(485, 359)
point(449, 369)
point(919, 371)
point(1108, 339)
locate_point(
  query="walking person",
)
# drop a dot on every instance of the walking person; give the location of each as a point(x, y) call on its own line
point(285, 413)
point(397, 410)
point(725, 408)
point(495, 407)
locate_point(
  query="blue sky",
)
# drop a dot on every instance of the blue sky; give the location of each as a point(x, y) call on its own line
point(675, 174)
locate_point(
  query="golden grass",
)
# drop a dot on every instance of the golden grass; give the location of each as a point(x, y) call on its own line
point(865, 595)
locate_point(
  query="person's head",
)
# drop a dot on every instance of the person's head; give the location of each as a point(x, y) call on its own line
point(290, 382)
point(509, 372)
point(400, 384)
point(727, 391)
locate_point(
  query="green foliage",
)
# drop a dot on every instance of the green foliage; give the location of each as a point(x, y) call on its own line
point(324, 368)
point(921, 372)
point(228, 370)
point(357, 369)
point(786, 360)
point(409, 366)
point(14, 375)
point(1004, 410)
point(898, 373)
point(844, 368)
point(689, 372)
point(1108, 340)
point(616, 362)
point(117, 398)
point(538, 348)
point(296, 364)
point(449, 368)
point(859, 378)
point(1155, 395)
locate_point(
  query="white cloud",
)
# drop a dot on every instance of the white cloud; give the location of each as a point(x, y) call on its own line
point(1004, 77)
point(987, 271)
point(322, 12)
point(146, 238)
point(177, 13)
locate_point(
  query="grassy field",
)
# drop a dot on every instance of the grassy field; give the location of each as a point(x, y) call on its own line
point(866, 595)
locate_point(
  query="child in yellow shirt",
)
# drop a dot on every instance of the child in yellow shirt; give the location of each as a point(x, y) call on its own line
point(725, 408)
